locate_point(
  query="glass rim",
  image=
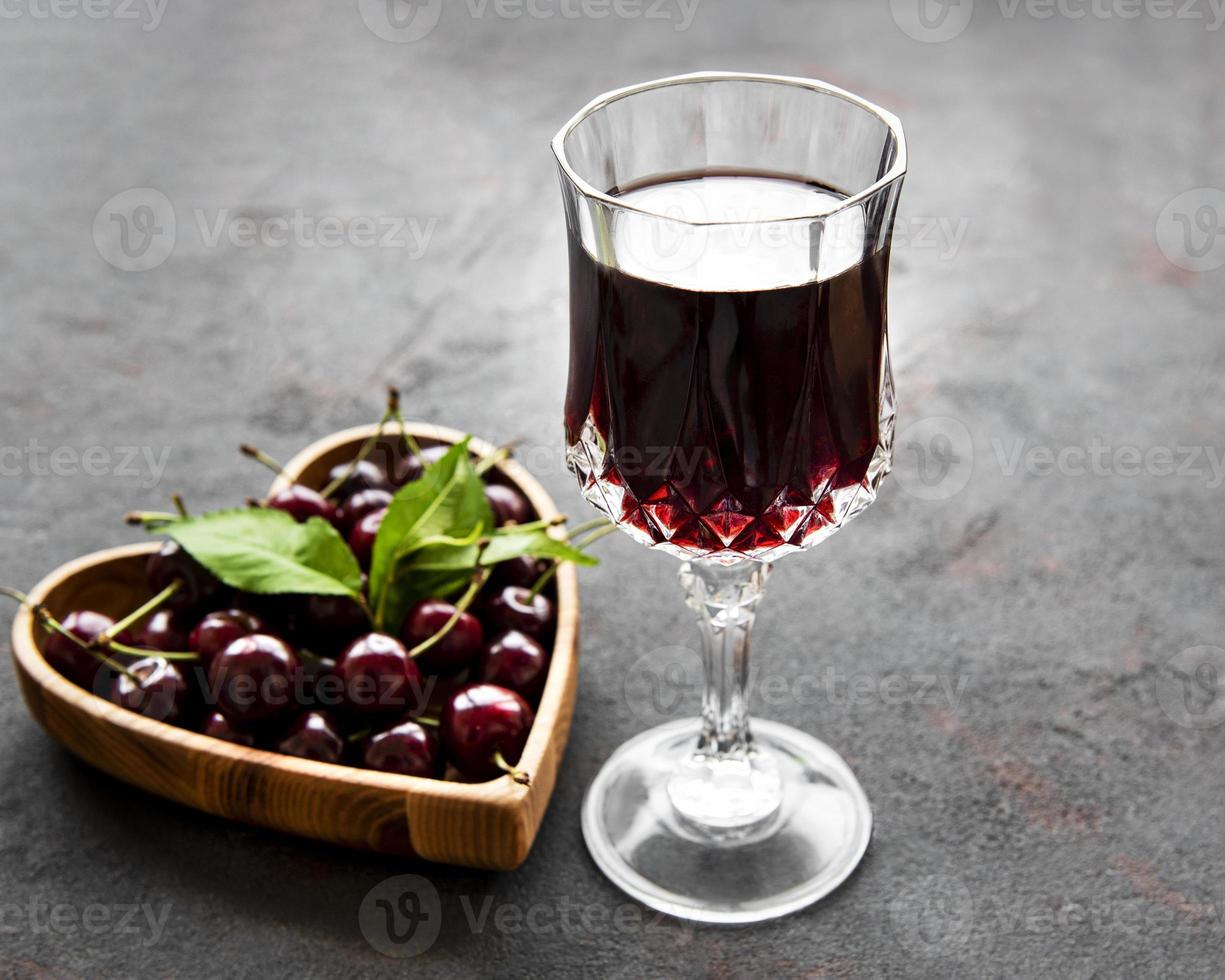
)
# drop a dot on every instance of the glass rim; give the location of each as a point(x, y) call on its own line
point(895, 172)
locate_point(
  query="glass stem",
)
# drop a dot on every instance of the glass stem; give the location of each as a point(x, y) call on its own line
point(726, 786)
point(725, 597)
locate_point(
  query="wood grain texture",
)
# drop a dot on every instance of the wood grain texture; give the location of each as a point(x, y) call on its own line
point(486, 825)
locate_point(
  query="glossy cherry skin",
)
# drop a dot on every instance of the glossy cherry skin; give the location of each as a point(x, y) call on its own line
point(331, 622)
point(359, 505)
point(515, 608)
point(218, 630)
point(313, 736)
point(172, 564)
point(515, 661)
point(156, 691)
point(165, 631)
point(252, 679)
point(365, 475)
point(302, 503)
point(455, 651)
point(408, 748)
point(379, 677)
point(508, 506)
point(522, 571)
point(70, 659)
point(407, 469)
point(432, 454)
point(318, 685)
point(478, 722)
point(219, 726)
point(361, 538)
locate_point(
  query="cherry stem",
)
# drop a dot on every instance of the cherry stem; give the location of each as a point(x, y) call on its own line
point(147, 517)
point(105, 638)
point(262, 458)
point(499, 455)
point(427, 721)
point(515, 773)
point(393, 406)
point(461, 606)
point(543, 525)
point(592, 525)
point(51, 624)
point(393, 399)
point(177, 500)
point(142, 652)
point(549, 572)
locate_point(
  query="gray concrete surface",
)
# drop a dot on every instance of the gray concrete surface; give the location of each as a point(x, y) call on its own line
point(1057, 814)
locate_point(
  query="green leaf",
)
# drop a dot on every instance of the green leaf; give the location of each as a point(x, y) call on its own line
point(446, 502)
point(268, 552)
point(511, 543)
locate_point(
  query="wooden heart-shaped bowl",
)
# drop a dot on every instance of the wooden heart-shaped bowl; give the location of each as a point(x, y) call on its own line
point(481, 825)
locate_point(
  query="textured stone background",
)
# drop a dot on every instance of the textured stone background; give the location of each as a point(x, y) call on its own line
point(1061, 817)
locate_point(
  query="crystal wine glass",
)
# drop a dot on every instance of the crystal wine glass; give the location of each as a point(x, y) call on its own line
point(729, 402)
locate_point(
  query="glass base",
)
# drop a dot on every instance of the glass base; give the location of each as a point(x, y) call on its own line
point(778, 862)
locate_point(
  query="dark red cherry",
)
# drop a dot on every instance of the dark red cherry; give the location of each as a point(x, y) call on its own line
point(455, 651)
point(522, 571)
point(364, 475)
point(515, 608)
point(379, 677)
point(432, 454)
point(359, 505)
point(302, 503)
point(218, 630)
point(361, 538)
point(173, 564)
point(252, 678)
point(165, 631)
point(318, 684)
point(219, 726)
point(508, 506)
point(69, 658)
point(331, 622)
point(408, 748)
point(407, 469)
point(481, 721)
point(313, 736)
point(515, 661)
point(155, 689)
